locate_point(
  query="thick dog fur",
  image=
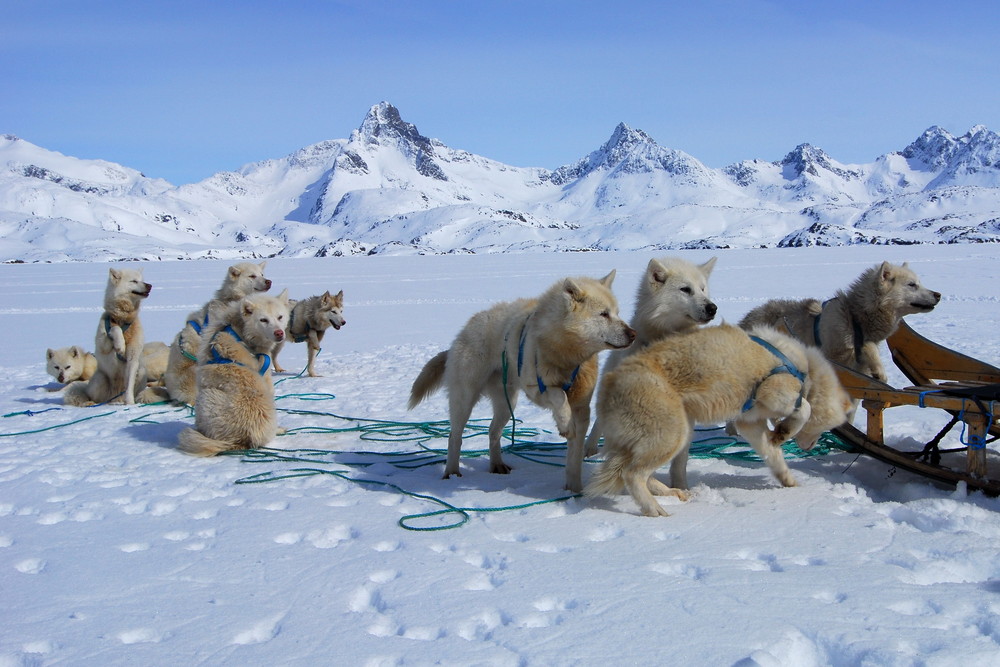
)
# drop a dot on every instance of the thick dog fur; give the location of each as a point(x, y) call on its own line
point(118, 344)
point(650, 404)
point(854, 322)
point(241, 280)
point(536, 345)
point(69, 364)
point(308, 322)
point(234, 408)
point(672, 298)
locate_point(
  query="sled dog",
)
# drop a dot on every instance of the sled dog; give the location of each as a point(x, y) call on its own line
point(308, 322)
point(69, 364)
point(650, 404)
point(234, 408)
point(850, 326)
point(120, 374)
point(672, 298)
point(546, 347)
point(241, 280)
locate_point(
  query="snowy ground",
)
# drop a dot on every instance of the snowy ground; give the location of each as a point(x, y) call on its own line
point(116, 549)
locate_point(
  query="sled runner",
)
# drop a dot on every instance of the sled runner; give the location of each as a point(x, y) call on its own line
point(966, 388)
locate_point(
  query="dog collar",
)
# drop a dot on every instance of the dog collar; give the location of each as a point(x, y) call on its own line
point(785, 365)
point(108, 322)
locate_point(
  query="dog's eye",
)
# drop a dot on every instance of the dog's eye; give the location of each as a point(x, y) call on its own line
point(687, 290)
point(606, 315)
point(913, 285)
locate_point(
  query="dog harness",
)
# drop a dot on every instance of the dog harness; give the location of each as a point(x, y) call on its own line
point(785, 365)
point(859, 334)
point(107, 330)
point(291, 325)
point(542, 387)
point(197, 329)
point(219, 359)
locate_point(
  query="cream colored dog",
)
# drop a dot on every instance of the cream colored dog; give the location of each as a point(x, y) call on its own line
point(650, 404)
point(850, 326)
point(69, 364)
point(544, 347)
point(672, 298)
point(120, 374)
point(234, 408)
point(241, 280)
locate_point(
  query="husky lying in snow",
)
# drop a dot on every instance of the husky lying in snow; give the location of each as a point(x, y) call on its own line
point(308, 322)
point(545, 347)
point(234, 408)
point(850, 326)
point(672, 298)
point(69, 364)
point(241, 280)
point(650, 404)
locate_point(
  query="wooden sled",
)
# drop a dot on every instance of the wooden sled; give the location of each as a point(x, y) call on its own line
point(964, 387)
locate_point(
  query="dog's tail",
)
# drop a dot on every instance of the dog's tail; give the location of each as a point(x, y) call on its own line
point(429, 380)
point(194, 443)
point(607, 480)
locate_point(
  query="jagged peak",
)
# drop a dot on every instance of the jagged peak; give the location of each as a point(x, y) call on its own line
point(934, 147)
point(384, 122)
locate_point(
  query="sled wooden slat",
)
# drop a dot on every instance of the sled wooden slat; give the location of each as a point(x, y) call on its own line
point(933, 369)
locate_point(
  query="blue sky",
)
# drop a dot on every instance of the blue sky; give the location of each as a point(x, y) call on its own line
point(181, 90)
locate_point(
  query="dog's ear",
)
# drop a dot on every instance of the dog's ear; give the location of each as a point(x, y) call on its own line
point(50, 353)
point(885, 271)
point(338, 298)
point(573, 289)
point(656, 271)
point(115, 274)
point(608, 279)
point(707, 267)
point(76, 350)
point(262, 265)
point(234, 272)
point(247, 307)
point(326, 298)
point(284, 295)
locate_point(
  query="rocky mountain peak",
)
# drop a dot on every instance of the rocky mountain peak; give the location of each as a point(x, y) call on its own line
point(934, 148)
point(383, 124)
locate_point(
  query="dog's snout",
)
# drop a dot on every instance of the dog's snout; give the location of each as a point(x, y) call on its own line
point(279, 334)
point(267, 284)
point(937, 296)
point(711, 309)
point(630, 334)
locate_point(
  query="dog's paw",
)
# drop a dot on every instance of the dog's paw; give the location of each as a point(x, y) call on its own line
point(500, 468)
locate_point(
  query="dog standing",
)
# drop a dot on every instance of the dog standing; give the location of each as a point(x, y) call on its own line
point(545, 347)
point(650, 404)
point(308, 322)
point(850, 326)
point(672, 298)
point(120, 374)
point(234, 408)
point(241, 280)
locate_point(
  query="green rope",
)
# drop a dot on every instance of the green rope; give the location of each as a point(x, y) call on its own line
point(55, 426)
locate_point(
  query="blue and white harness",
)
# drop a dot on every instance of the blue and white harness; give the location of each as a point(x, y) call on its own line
point(785, 365)
point(219, 359)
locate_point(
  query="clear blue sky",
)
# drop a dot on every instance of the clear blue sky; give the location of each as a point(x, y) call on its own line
point(181, 89)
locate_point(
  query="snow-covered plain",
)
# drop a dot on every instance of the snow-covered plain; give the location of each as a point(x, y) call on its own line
point(115, 549)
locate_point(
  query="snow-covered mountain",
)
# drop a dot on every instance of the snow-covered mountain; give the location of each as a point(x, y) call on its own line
point(389, 189)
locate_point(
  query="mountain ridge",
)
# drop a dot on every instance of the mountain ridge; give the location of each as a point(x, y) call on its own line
point(387, 188)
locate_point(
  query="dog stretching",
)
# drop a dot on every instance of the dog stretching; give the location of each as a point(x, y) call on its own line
point(234, 408)
point(120, 375)
point(544, 347)
point(651, 402)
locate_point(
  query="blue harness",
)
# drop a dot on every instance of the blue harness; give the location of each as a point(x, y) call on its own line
point(219, 359)
point(785, 365)
point(542, 388)
point(107, 331)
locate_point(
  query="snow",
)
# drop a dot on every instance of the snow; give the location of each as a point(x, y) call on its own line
point(116, 549)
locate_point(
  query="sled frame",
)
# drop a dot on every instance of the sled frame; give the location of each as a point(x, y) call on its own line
point(933, 369)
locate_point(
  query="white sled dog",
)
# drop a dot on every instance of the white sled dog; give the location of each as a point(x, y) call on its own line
point(120, 374)
point(650, 404)
point(850, 326)
point(546, 347)
point(241, 280)
point(672, 298)
point(234, 408)
point(308, 322)
point(69, 364)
